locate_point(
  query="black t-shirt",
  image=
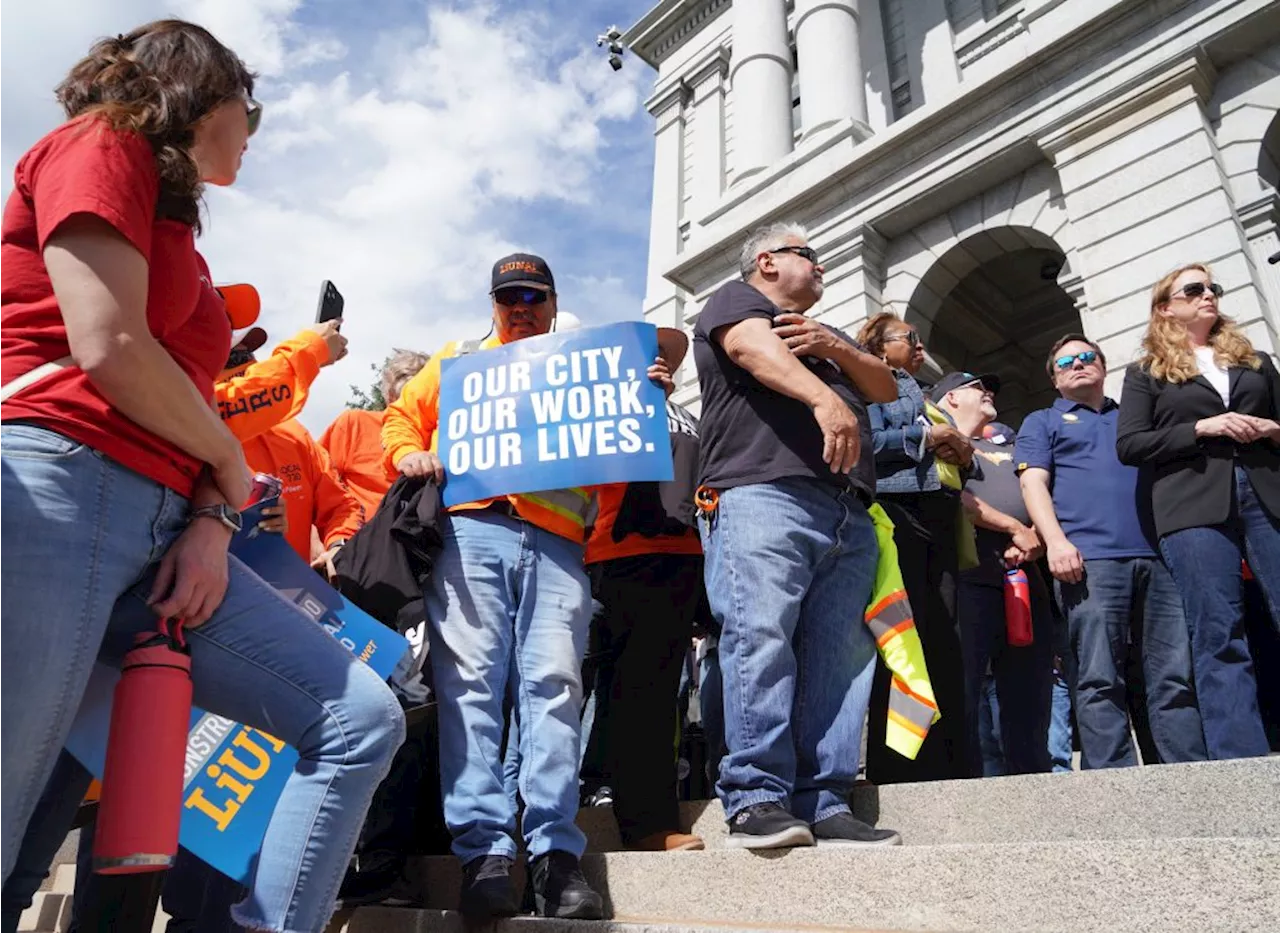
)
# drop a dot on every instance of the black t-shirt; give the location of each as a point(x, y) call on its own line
point(752, 434)
point(994, 480)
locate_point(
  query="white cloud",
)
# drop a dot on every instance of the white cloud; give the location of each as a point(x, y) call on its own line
point(398, 164)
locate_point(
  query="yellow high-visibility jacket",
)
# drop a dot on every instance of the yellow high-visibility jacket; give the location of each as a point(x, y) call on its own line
point(912, 707)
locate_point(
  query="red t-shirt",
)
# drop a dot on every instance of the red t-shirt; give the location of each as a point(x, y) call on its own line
point(84, 167)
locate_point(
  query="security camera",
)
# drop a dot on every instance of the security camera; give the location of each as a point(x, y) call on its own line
point(612, 38)
point(615, 62)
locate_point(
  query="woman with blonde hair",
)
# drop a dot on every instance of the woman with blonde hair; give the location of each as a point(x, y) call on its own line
point(1199, 411)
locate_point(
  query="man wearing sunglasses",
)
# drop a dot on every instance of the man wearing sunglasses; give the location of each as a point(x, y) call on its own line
point(1112, 587)
point(508, 599)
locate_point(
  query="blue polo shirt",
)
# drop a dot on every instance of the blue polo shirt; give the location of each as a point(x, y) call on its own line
point(1103, 506)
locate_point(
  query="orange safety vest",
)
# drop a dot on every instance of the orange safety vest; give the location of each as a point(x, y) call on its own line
point(410, 426)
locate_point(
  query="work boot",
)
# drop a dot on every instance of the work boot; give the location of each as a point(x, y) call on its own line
point(487, 890)
point(560, 890)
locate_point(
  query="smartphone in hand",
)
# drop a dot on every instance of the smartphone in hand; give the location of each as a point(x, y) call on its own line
point(331, 303)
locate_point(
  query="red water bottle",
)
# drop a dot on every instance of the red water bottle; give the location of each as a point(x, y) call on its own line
point(1017, 608)
point(141, 804)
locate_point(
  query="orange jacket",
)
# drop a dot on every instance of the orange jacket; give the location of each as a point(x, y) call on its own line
point(273, 390)
point(601, 546)
point(312, 494)
point(354, 445)
point(409, 426)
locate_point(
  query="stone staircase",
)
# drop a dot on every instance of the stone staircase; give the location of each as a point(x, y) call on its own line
point(1176, 847)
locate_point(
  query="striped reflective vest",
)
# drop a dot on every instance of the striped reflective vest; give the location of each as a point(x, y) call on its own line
point(912, 707)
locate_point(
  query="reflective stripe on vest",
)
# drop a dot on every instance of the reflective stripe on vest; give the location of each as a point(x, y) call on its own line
point(912, 707)
point(562, 512)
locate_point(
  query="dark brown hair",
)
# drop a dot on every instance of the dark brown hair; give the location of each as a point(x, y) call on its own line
point(1062, 341)
point(159, 80)
point(872, 334)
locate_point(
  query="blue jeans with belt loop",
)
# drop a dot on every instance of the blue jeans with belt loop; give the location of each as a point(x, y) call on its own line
point(1205, 563)
point(789, 570)
point(503, 588)
point(82, 538)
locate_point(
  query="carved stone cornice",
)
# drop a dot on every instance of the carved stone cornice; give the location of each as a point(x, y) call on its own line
point(669, 25)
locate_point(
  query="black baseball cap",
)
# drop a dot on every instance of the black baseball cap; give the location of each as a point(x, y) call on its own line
point(952, 381)
point(522, 269)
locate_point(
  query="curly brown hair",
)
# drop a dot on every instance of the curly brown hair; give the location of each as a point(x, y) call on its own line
point(873, 332)
point(159, 81)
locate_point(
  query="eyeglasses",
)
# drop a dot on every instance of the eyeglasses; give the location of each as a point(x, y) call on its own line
point(804, 252)
point(253, 110)
point(910, 336)
point(510, 297)
point(1066, 362)
point(1193, 290)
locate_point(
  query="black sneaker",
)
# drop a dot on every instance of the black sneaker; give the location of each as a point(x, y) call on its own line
point(845, 829)
point(560, 890)
point(487, 890)
point(386, 890)
point(767, 826)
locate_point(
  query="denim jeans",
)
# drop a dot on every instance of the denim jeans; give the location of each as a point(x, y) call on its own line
point(990, 742)
point(789, 570)
point(83, 536)
point(1060, 751)
point(1205, 562)
point(711, 707)
point(504, 589)
point(1123, 605)
point(1023, 676)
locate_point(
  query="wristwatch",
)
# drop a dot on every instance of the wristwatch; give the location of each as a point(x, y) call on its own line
point(224, 513)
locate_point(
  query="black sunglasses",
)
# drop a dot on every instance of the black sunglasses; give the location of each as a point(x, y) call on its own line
point(910, 336)
point(1194, 290)
point(804, 252)
point(253, 110)
point(510, 297)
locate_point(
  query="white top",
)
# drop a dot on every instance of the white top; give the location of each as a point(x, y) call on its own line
point(1216, 375)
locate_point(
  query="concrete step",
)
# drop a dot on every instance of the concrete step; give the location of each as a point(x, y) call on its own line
point(1200, 800)
point(49, 912)
point(397, 920)
point(1118, 885)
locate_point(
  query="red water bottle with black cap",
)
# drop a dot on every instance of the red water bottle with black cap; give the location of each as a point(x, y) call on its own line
point(141, 803)
point(1017, 608)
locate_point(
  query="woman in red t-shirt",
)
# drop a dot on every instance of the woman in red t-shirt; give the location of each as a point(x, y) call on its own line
point(120, 481)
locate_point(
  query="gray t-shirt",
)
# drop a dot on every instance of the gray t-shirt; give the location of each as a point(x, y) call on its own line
point(995, 481)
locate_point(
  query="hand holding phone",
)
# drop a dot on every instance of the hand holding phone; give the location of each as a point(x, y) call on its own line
point(331, 303)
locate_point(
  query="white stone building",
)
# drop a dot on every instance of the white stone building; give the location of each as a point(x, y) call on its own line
point(999, 171)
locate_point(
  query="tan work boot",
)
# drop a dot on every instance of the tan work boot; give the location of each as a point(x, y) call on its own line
point(670, 841)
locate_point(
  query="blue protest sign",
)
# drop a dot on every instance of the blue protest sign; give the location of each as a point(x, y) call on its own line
point(553, 412)
point(233, 774)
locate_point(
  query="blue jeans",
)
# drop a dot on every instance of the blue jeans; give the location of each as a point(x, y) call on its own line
point(789, 571)
point(83, 536)
point(1122, 605)
point(1060, 752)
point(711, 703)
point(502, 589)
point(990, 742)
point(1205, 562)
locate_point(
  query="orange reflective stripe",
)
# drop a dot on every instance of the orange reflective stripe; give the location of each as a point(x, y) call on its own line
point(900, 684)
point(898, 719)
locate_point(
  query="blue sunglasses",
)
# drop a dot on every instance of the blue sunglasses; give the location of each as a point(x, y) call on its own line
point(1065, 362)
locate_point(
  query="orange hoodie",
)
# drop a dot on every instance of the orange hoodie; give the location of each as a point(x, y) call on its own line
point(354, 445)
point(312, 494)
point(267, 392)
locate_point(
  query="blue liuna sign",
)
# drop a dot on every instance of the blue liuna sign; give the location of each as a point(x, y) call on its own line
point(553, 412)
point(233, 774)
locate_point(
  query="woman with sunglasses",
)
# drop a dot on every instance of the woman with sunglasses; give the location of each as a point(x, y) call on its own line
point(1200, 410)
point(926, 517)
point(121, 484)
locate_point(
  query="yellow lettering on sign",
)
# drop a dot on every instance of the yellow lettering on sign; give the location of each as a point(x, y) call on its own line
point(277, 746)
point(225, 780)
point(221, 817)
point(250, 772)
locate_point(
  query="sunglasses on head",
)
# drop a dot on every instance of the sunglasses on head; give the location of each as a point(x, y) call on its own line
point(804, 252)
point(510, 297)
point(1194, 290)
point(1066, 362)
point(253, 110)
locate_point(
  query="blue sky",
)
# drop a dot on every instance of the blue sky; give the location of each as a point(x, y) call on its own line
point(405, 145)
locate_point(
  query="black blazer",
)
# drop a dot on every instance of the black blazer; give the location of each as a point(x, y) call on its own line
point(1193, 479)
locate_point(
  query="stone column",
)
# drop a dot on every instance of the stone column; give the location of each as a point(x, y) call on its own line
point(832, 85)
point(667, 107)
point(707, 174)
point(761, 76)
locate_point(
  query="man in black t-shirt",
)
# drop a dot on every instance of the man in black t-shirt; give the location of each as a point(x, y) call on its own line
point(1005, 539)
point(787, 474)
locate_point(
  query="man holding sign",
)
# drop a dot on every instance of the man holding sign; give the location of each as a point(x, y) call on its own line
point(509, 581)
